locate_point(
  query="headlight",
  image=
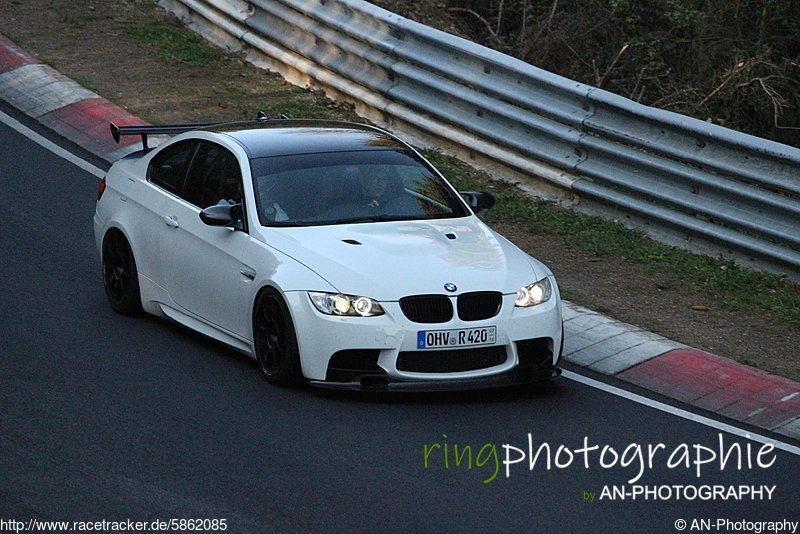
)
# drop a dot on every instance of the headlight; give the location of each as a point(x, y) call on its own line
point(345, 305)
point(534, 294)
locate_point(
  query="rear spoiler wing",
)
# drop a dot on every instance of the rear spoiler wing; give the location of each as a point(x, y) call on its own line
point(118, 131)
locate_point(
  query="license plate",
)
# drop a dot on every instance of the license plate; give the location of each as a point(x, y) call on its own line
point(465, 337)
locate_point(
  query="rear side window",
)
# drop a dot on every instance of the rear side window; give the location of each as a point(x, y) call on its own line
point(168, 168)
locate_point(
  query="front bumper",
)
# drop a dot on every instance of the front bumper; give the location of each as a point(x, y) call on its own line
point(526, 338)
point(382, 383)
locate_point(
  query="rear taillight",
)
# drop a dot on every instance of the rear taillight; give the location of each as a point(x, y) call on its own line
point(101, 188)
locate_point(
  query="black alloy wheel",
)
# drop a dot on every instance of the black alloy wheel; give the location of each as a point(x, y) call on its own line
point(275, 340)
point(120, 277)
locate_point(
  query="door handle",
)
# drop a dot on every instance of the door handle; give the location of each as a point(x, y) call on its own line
point(171, 221)
point(250, 274)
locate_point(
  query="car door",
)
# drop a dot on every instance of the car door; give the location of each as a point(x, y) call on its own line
point(202, 264)
point(166, 174)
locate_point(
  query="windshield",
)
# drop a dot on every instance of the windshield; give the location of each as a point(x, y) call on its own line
point(350, 187)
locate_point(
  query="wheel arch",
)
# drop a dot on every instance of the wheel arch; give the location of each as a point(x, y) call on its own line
point(268, 287)
point(130, 303)
point(261, 290)
point(118, 228)
point(150, 293)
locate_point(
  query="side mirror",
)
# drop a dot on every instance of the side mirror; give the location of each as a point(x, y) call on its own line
point(230, 215)
point(478, 201)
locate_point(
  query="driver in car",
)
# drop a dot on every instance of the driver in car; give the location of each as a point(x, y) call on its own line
point(380, 189)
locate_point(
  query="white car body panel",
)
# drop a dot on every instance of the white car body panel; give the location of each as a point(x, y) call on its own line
point(408, 257)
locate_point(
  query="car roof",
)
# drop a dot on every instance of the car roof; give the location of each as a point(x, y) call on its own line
point(267, 138)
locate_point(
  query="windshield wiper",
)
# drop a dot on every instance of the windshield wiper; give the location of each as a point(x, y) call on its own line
point(374, 218)
point(347, 220)
point(288, 224)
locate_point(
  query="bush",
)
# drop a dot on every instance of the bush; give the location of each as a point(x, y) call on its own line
point(736, 63)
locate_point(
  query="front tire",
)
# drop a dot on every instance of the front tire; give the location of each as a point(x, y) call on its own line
point(275, 340)
point(120, 277)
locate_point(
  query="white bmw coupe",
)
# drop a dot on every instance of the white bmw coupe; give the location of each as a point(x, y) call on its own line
point(332, 253)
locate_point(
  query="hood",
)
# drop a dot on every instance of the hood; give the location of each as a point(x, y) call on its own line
point(390, 260)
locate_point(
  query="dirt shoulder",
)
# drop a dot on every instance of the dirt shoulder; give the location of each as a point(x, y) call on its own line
point(132, 53)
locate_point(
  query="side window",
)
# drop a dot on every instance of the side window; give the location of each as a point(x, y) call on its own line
point(168, 168)
point(213, 176)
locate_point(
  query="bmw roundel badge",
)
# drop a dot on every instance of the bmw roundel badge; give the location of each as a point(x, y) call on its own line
point(450, 287)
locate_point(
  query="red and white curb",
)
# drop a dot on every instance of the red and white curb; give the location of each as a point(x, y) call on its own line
point(683, 373)
point(59, 103)
point(608, 346)
point(592, 340)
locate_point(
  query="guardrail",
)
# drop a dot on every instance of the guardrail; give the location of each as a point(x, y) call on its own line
point(694, 179)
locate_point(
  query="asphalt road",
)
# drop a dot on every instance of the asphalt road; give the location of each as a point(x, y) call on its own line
point(108, 417)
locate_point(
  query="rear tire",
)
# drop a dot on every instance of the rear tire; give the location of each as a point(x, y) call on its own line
point(120, 277)
point(275, 340)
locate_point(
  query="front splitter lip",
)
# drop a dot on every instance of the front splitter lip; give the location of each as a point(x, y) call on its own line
point(383, 383)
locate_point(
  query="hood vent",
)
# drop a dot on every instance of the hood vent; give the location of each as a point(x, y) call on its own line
point(451, 236)
point(351, 241)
